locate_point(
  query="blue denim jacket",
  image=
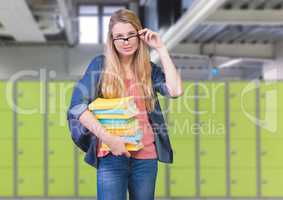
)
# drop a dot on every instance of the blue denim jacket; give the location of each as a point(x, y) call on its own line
point(88, 88)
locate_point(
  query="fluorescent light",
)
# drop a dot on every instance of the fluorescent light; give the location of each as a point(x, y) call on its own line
point(231, 63)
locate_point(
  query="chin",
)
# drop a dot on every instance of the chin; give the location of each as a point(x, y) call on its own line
point(130, 53)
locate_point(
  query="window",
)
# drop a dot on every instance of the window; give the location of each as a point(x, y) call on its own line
point(93, 22)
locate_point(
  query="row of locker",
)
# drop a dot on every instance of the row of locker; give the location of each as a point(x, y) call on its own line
point(30, 96)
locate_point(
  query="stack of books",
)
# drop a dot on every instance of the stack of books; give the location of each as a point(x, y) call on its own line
point(117, 116)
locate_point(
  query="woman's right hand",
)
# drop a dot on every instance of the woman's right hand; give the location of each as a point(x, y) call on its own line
point(117, 145)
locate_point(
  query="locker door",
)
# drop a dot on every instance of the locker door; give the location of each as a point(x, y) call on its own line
point(212, 153)
point(212, 126)
point(243, 182)
point(30, 126)
point(242, 96)
point(213, 182)
point(272, 181)
point(6, 152)
point(58, 127)
point(31, 96)
point(30, 153)
point(160, 181)
point(61, 181)
point(241, 126)
point(6, 100)
point(243, 153)
point(271, 126)
point(87, 178)
point(6, 181)
point(271, 153)
point(60, 93)
point(60, 153)
point(182, 182)
point(184, 152)
point(181, 126)
point(211, 97)
point(6, 118)
point(184, 104)
point(30, 181)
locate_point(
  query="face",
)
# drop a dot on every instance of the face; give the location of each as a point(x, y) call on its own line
point(125, 38)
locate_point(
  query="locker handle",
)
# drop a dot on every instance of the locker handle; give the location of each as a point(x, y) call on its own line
point(20, 152)
point(20, 94)
point(233, 181)
point(232, 95)
point(264, 182)
point(21, 181)
point(232, 124)
point(172, 182)
point(50, 123)
point(82, 181)
point(51, 152)
point(233, 152)
point(202, 181)
point(51, 180)
point(20, 123)
point(263, 153)
point(203, 152)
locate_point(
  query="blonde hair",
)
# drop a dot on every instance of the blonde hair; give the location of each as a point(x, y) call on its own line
point(112, 84)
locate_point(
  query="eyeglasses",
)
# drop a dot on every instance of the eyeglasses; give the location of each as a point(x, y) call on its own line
point(130, 39)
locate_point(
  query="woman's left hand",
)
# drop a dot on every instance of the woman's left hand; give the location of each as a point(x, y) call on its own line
point(152, 39)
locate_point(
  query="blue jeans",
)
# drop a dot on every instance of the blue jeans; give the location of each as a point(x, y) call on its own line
point(116, 174)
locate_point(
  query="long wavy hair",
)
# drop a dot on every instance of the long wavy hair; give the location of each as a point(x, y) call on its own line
point(112, 84)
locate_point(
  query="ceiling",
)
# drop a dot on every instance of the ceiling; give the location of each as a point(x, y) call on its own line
point(55, 21)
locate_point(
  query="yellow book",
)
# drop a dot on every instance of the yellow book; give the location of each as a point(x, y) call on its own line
point(122, 132)
point(129, 147)
point(112, 103)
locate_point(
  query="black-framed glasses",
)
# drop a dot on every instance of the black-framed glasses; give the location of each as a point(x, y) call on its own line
point(130, 39)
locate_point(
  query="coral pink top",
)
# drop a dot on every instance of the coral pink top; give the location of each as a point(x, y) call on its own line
point(148, 151)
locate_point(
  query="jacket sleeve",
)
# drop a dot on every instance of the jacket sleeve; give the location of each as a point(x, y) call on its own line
point(159, 81)
point(85, 89)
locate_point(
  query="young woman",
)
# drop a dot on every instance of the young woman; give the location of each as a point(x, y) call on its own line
point(124, 70)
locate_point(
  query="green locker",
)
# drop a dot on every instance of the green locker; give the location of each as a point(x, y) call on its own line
point(243, 182)
point(30, 153)
point(6, 118)
point(6, 152)
point(184, 104)
point(60, 153)
point(160, 180)
point(31, 96)
point(59, 96)
point(182, 182)
point(271, 96)
point(271, 182)
point(6, 181)
point(6, 101)
point(212, 126)
point(212, 153)
point(30, 126)
point(243, 153)
point(181, 126)
point(87, 178)
point(242, 96)
point(61, 181)
point(271, 126)
point(184, 152)
point(30, 181)
point(271, 153)
point(213, 182)
point(58, 127)
point(211, 97)
point(241, 126)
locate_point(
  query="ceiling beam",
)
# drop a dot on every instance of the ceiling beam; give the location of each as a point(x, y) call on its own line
point(19, 23)
point(246, 17)
point(257, 51)
point(67, 14)
point(197, 13)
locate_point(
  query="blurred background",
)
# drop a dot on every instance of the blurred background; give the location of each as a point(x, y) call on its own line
point(226, 130)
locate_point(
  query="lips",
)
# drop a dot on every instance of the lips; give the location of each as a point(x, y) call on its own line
point(127, 49)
